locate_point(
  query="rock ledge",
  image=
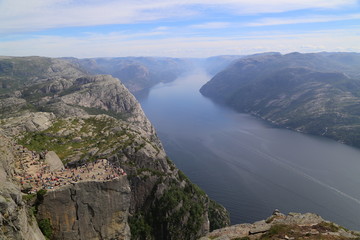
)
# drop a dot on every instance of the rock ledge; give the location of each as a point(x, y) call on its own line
point(280, 226)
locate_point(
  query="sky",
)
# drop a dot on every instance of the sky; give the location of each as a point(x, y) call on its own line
point(176, 28)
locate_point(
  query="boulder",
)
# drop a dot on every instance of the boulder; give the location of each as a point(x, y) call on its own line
point(53, 161)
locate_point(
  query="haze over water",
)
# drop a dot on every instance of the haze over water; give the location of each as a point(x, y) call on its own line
point(249, 166)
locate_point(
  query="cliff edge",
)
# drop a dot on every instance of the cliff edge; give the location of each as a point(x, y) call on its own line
point(280, 226)
point(16, 221)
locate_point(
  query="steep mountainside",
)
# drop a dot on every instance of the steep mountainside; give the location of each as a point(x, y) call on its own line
point(314, 93)
point(136, 73)
point(117, 175)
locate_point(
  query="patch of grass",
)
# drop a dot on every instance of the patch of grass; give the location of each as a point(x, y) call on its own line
point(97, 111)
point(182, 176)
point(28, 197)
point(327, 227)
point(275, 231)
point(102, 137)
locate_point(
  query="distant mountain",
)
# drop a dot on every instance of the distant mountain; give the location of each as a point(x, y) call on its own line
point(136, 73)
point(216, 64)
point(317, 93)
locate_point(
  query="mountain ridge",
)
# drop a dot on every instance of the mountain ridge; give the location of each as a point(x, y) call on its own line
point(311, 93)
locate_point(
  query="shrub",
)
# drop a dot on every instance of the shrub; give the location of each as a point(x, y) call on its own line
point(46, 228)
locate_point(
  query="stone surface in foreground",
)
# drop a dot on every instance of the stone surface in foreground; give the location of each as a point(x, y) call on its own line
point(280, 226)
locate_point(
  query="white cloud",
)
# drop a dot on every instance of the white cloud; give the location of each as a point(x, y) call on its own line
point(211, 25)
point(162, 28)
point(30, 15)
point(117, 44)
point(277, 6)
point(308, 19)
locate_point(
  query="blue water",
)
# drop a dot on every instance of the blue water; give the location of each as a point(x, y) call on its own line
point(249, 166)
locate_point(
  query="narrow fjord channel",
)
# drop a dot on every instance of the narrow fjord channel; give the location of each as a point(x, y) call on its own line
point(249, 166)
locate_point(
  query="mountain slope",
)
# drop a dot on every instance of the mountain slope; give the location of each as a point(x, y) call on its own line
point(312, 93)
point(136, 73)
point(49, 105)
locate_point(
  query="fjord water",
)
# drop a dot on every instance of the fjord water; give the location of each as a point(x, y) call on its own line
point(249, 166)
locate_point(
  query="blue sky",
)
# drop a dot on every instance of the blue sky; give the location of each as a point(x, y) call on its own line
point(174, 28)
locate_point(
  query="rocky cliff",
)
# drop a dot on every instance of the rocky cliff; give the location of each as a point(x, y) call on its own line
point(52, 105)
point(88, 210)
point(312, 93)
point(16, 221)
point(280, 226)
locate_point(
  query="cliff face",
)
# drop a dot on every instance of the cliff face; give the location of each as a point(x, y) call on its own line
point(88, 210)
point(16, 221)
point(311, 93)
point(56, 107)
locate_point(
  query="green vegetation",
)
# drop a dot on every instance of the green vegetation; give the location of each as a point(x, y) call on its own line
point(46, 228)
point(40, 194)
point(276, 230)
point(28, 197)
point(303, 232)
point(328, 226)
point(69, 138)
point(171, 164)
point(33, 202)
point(178, 214)
point(218, 216)
point(98, 111)
point(173, 210)
point(39, 199)
point(182, 176)
point(139, 227)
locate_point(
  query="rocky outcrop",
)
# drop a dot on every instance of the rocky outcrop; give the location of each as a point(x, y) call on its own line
point(56, 85)
point(29, 122)
point(88, 210)
point(280, 226)
point(11, 104)
point(16, 221)
point(53, 161)
point(107, 93)
point(161, 195)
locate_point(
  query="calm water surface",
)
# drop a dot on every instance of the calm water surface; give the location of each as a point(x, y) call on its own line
point(249, 166)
